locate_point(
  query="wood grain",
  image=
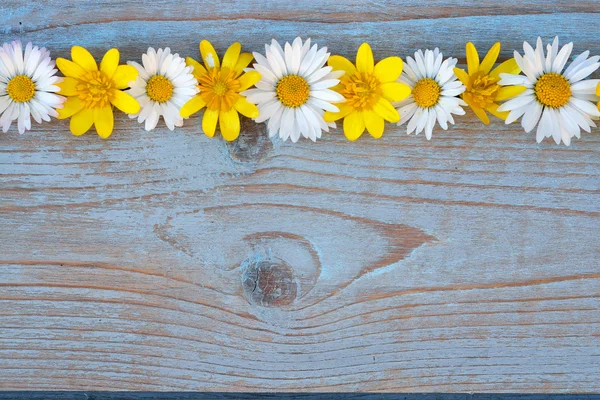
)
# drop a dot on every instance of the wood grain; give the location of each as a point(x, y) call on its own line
point(170, 261)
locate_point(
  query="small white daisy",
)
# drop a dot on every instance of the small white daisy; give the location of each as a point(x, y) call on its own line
point(27, 86)
point(295, 90)
point(559, 103)
point(163, 86)
point(434, 90)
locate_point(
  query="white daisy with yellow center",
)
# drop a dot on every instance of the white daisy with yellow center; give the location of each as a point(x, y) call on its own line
point(27, 86)
point(434, 89)
point(163, 86)
point(295, 90)
point(559, 103)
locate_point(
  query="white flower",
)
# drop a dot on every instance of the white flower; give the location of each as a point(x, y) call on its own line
point(434, 90)
point(294, 91)
point(560, 102)
point(27, 86)
point(163, 86)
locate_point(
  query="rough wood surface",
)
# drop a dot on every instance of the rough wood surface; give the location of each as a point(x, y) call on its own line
point(170, 261)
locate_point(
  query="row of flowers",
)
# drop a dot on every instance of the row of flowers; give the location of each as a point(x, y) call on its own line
point(300, 90)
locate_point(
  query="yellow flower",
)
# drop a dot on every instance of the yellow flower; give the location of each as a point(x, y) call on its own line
point(220, 85)
point(369, 90)
point(92, 92)
point(483, 92)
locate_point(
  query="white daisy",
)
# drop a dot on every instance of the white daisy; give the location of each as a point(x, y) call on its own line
point(27, 86)
point(434, 90)
point(295, 90)
point(163, 86)
point(560, 101)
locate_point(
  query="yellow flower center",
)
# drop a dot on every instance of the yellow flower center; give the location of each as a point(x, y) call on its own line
point(20, 88)
point(292, 90)
point(361, 90)
point(553, 90)
point(483, 90)
point(95, 89)
point(219, 88)
point(159, 89)
point(426, 93)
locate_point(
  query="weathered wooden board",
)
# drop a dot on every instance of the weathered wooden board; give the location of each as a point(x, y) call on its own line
point(171, 261)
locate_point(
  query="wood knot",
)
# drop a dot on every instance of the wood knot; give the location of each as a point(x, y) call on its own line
point(252, 145)
point(269, 283)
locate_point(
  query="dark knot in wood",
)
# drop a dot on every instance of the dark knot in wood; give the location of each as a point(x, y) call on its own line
point(269, 283)
point(252, 145)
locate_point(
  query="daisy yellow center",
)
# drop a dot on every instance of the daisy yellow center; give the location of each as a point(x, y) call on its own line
point(553, 90)
point(20, 88)
point(483, 90)
point(219, 88)
point(426, 93)
point(95, 89)
point(159, 89)
point(292, 91)
point(361, 90)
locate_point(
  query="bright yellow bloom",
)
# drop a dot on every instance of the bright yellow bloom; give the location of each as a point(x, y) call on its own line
point(220, 85)
point(92, 92)
point(369, 90)
point(483, 92)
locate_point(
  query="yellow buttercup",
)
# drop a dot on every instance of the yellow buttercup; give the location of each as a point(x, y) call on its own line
point(368, 89)
point(92, 91)
point(220, 85)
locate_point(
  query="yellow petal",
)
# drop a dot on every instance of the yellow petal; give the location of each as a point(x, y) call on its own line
point(192, 106)
point(243, 61)
point(124, 75)
point(598, 90)
point(248, 79)
point(490, 58)
point(462, 76)
point(472, 58)
point(209, 55)
point(345, 109)
point(69, 68)
point(70, 107)
point(374, 123)
point(229, 122)
point(209, 122)
point(231, 55)
point(364, 59)
point(110, 62)
point(395, 91)
point(340, 63)
point(125, 102)
point(386, 110)
point(83, 58)
point(104, 121)
point(198, 68)
point(388, 69)
point(508, 92)
point(509, 66)
point(493, 109)
point(82, 122)
point(480, 114)
point(68, 86)
point(354, 125)
point(246, 108)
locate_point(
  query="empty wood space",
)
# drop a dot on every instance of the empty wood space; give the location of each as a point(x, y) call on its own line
point(172, 261)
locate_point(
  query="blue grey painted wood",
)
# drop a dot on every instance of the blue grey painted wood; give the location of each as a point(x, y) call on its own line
point(170, 261)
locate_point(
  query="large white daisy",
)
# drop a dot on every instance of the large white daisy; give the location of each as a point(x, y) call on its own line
point(560, 101)
point(163, 86)
point(27, 86)
point(434, 90)
point(295, 90)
